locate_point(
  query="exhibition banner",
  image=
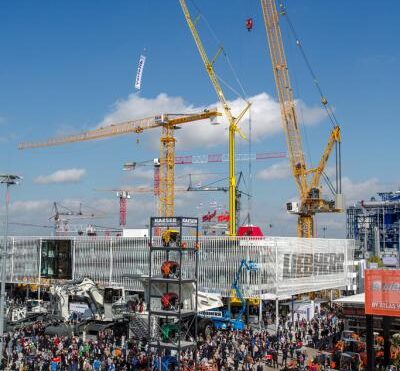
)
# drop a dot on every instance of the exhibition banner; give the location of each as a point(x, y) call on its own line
point(382, 292)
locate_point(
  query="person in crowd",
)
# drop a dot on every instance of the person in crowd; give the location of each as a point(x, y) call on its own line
point(29, 348)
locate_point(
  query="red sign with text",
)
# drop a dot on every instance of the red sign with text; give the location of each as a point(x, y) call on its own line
point(382, 292)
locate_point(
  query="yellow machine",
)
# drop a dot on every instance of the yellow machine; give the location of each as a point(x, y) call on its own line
point(169, 236)
point(233, 121)
point(168, 123)
point(234, 300)
point(307, 180)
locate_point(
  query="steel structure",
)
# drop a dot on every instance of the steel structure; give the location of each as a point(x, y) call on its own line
point(208, 158)
point(200, 159)
point(62, 216)
point(375, 225)
point(233, 121)
point(307, 180)
point(287, 266)
point(182, 320)
point(224, 157)
point(167, 122)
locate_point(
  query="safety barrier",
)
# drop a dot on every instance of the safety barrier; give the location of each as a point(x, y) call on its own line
point(286, 266)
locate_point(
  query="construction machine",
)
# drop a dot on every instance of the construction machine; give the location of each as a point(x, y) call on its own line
point(167, 122)
point(170, 237)
point(232, 120)
point(97, 309)
point(223, 319)
point(170, 269)
point(84, 296)
point(307, 179)
point(168, 302)
point(212, 187)
point(32, 310)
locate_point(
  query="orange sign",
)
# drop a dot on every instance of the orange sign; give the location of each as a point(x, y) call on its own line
point(382, 292)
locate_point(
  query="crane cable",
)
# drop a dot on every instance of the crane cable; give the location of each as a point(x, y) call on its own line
point(296, 86)
point(324, 101)
point(242, 95)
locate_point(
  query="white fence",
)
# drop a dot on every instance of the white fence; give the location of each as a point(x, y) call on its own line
point(286, 266)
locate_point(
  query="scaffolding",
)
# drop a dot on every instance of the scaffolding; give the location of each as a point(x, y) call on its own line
point(374, 225)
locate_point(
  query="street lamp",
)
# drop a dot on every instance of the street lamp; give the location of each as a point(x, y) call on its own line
point(8, 180)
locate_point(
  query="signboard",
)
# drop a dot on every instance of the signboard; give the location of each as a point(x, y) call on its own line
point(139, 73)
point(297, 265)
point(164, 222)
point(174, 222)
point(382, 292)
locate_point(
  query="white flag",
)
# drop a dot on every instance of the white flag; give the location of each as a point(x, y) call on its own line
point(139, 73)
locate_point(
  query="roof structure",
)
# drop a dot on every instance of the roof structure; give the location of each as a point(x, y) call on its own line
point(358, 299)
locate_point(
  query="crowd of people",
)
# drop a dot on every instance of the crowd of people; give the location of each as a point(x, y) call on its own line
point(29, 348)
point(285, 349)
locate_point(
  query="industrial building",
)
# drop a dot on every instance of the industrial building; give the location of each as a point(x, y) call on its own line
point(374, 225)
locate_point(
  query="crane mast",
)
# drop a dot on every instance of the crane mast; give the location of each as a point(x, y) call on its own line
point(285, 95)
point(233, 122)
point(309, 189)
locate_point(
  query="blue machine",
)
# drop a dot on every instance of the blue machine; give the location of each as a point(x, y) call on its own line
point(223, 319)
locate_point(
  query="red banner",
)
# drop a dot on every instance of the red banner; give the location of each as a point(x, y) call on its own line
point(209, 216)
point(382, 292)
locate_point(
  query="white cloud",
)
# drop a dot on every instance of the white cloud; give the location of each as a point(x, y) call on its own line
point(279, 170)
point(310, 115)
point(28, 215)
point(135, 107)
point(30, 206)
point(265, 116)
point(364, 190)
point(144, 174)
point(62, 176)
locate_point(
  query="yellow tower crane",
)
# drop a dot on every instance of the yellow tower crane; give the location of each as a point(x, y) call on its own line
point(168, 123)
point(233, 121)
point(307, 180)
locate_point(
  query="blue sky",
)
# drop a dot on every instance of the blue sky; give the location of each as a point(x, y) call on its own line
point(65, 65)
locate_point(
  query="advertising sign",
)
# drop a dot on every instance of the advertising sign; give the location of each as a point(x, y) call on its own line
point(139, 73)
point(382, 292)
